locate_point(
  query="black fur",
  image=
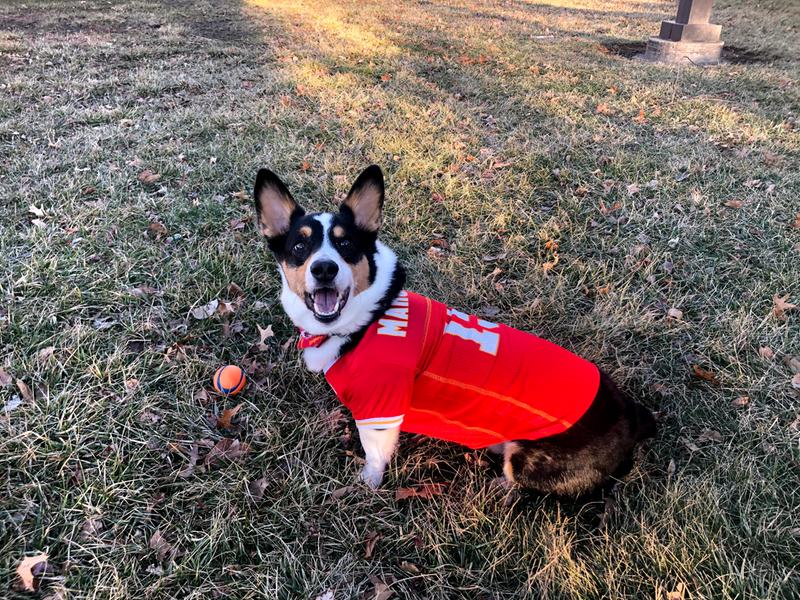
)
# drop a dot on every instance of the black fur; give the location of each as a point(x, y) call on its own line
point(599, 446)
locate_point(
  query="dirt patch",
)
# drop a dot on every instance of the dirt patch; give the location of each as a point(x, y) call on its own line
point(730, 54)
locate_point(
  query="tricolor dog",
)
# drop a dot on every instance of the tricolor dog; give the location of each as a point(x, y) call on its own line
point(403, 362)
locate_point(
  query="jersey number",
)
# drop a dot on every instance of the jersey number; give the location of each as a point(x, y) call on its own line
point(487, 341)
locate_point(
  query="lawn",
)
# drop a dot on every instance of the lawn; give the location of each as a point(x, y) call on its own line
point(644, 216)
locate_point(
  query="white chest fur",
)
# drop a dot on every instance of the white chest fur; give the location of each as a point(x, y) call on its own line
point(323, 356)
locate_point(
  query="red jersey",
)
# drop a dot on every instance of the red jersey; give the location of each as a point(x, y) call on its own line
point(434, 370)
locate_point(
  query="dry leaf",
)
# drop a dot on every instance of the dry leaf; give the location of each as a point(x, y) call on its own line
point(741, 401)
point(29, 568)
point(550, 264)
point(766, 352)
point(257, 488)
point(640, 118)
point(45, 354)
point(675, 313)
point(796, 224)
point(24, 391)
point(224, 420)
point(5, 378)
point(157, 229)
point(380, 590)
point(103, 323)
point(91, 528)
point(796, 381)
point(386, 77)
point(370, 542)
point(206, 311)
point(701, 373)
point(341, 492)
point(263, 336)
point(793, 362)
point(305, 166)
point(690, 444)
point(671, 467)
point(633, 188)
point(159, 543)
point(409, 567)
point(227, 448)
point(147, 177)
point(709, 435)
point(36, 211)
point(326, 596)
point(142, 292)
point(194, 455)
point(678, 594)
point(734, 203)
point(781, 306)
point(602, 109)
point(427, 491)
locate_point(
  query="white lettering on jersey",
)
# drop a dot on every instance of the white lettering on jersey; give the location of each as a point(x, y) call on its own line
point(395, 319)
point(488, 341)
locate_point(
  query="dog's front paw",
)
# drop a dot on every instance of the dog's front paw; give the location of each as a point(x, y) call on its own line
point(372, 477)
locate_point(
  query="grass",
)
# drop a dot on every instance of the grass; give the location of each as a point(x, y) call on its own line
point(503, 128)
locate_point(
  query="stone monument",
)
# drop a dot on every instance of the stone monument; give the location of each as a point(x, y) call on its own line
point(688, 38)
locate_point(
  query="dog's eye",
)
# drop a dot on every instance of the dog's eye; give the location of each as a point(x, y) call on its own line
point(299, 247)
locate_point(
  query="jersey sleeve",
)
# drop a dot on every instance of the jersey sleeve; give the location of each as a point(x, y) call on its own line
point(378, 398)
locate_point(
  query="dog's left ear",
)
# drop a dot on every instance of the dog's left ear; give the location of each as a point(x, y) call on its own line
point(365, 199)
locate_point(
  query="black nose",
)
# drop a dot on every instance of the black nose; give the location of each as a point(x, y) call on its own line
point(324, 270)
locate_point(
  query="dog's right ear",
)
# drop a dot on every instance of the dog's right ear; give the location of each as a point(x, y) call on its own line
point(274, 205)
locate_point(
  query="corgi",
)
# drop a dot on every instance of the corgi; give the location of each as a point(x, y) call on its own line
point(403, 362)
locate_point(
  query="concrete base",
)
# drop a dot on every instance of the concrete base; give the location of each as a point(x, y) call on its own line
point(699, 53)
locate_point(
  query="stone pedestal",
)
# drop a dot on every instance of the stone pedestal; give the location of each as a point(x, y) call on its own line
point(689, 37)
point(668, 51)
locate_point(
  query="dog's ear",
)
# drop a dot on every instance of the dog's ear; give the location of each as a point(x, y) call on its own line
point(365, 199)
point(274, 204)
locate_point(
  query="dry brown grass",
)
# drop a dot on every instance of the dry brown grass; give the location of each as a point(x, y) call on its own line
point(485, 118)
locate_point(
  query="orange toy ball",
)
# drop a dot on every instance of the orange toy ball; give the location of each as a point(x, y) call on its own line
point(229, 380)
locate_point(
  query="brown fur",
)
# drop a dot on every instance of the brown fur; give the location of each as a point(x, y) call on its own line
point(305, 230)
point(275, 211)
point(338, 231)
point(360, 275)
point(296, 277)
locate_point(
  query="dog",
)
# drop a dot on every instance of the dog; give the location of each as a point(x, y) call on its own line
point(401, 361)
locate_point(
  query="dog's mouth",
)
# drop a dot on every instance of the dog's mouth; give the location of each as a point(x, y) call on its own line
point(327, 303)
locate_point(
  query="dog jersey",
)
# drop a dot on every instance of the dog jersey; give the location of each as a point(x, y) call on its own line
point(436, 371)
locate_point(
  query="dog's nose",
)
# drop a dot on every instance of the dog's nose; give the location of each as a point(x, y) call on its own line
point(324, 271)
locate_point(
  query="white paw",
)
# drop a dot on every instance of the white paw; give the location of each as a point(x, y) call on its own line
point(372, 477)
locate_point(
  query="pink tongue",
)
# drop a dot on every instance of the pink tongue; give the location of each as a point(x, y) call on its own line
point(325, 300)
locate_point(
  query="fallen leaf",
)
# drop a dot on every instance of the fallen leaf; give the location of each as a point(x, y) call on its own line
point(103, 323)
point(147, 177)
point(701, 373)
point(675, 313)
point(202, 396)
point(5, 378)
point(386, 77)
point(157, 229)
point(690, 444)
point(194, 455)
point(741, 401)
point(241, 195)
point(159, 543)
point(370, 542)
point(796, 224)
point(142, 292)
point(781, 306)
point(602, 109)
point(326, 596)
point(709, 435)
point(263, 336)
point(305, 166)
point(29, 568)
point(224, 420)
point(45, 354)
point(341, 492)
point(380, 591)
point(734, 203)
point(257, 488)
point(793, 362)
point(633, 188)
point(228, 449)
point(36, 211)
point(671, 467)
point(640, 118)
point(206, 311)
point(766, 352)
point(409, 567)
point(796, 381)
point(678, 593)
point(427, 491)
point(550, 264)
point(24, 391)
point(13, 403)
